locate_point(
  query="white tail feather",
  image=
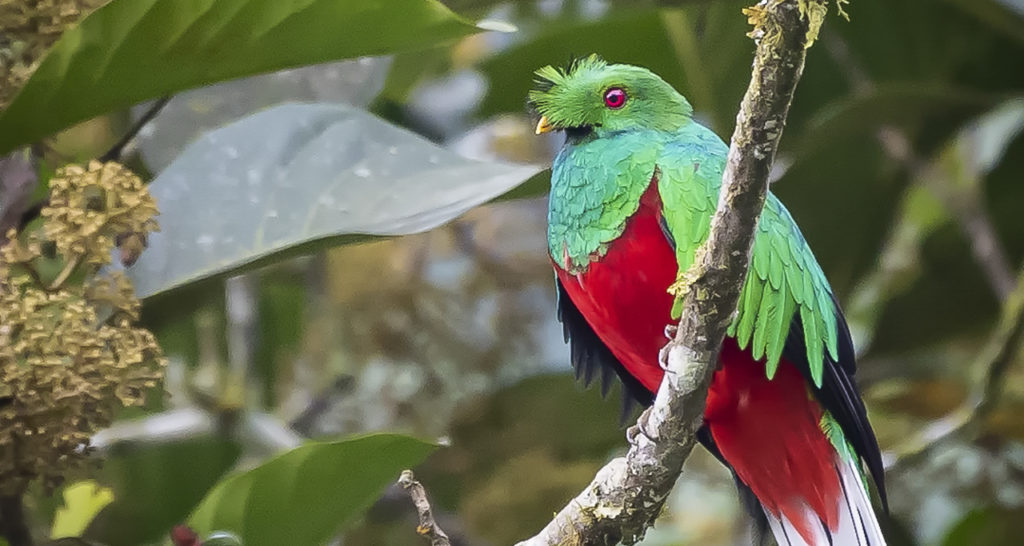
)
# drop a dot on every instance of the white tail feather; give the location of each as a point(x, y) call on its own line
point(858, 525)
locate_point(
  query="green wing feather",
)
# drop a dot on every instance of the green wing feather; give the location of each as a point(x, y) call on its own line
point(784, 277)
point(786, 268)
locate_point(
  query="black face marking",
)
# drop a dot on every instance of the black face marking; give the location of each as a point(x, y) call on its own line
point(579, 133)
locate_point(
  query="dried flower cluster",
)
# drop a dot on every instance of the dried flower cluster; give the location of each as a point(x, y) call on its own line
point(27, 29)
point(93, 209)
point(70, 353)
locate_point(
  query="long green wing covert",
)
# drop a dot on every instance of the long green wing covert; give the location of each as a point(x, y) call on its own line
point(784, 277)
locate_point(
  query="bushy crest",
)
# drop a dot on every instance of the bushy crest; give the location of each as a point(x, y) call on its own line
point(550, 76)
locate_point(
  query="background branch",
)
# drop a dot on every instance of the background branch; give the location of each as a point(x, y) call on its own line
point(428, 526)
point(115, 151)
point(964, 199)
point(628, 494)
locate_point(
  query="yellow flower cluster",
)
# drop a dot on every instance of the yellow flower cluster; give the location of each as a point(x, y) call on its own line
point(92, 209)
point(70, 353)
point(30, 27)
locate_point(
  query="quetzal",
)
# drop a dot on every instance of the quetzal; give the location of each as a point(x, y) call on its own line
point(633, 190)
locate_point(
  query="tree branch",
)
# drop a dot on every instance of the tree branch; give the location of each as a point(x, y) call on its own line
point(627, 495)
point(428, 527)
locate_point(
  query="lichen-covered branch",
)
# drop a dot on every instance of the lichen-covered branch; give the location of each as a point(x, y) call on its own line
point(428, 527)
point(628, 494)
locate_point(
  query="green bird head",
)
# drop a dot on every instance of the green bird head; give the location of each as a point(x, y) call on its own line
point(591, 95)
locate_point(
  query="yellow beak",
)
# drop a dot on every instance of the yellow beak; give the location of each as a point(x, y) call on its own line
point(544, 126)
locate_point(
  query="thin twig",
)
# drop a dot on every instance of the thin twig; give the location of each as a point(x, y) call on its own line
point(114, 153)
point(628, 494)
point(33, 211)
point(427, 528)
point(968, 207)
point(995, 360)
point(65, 272)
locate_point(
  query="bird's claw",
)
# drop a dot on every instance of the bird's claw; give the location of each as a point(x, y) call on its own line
point(638, 429)
point(663, 358)
point(631, 434)
point(670, 333)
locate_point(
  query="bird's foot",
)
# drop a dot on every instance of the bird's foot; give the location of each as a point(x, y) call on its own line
point(638, 429)
point(663, 358)
point(670, 333)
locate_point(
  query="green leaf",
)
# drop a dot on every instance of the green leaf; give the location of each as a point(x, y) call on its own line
point(310, 493)
point(191, 113)
point(82, 501)
point(132, 50)
point(296, 177)
point(155, 485)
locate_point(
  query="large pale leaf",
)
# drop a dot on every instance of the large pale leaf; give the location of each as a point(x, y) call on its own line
point(295, 175)
point(308, 494)
point(194, 112)
point(132, 50)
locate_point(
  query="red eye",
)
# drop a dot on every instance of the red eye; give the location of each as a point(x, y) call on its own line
point(614, 98)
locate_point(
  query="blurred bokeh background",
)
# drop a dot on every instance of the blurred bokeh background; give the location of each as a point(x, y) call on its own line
point(901, 162)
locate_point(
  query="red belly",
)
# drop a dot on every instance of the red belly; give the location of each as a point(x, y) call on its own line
point(624, 296)
point(768, 431)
